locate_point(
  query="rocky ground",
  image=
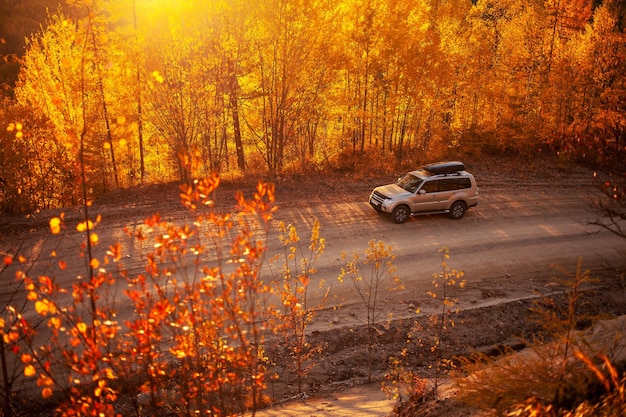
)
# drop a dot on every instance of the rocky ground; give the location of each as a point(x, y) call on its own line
point(492, 320)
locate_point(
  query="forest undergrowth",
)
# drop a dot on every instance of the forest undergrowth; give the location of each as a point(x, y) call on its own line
point(492, 331)
point(199, 342)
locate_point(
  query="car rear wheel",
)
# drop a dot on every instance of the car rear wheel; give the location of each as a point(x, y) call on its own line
point(400, 214)
point(457, 210)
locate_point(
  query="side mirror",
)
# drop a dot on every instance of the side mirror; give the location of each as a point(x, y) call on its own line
point(422, 192)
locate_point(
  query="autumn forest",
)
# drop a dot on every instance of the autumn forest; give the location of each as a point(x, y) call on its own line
point(130, 90)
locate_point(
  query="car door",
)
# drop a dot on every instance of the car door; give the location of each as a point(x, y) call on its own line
point(448, 188)
point(425, 199)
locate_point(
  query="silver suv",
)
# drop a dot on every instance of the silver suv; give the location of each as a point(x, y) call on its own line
point(444, 187)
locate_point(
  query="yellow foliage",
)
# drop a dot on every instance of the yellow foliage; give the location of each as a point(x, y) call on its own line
point(109, 373)
point(158, 77)
point(83, 226)
point(82, 327)
point(54, 322)
point(11, 337)
point(45, 307)
point(29, 371)
point(55, 225)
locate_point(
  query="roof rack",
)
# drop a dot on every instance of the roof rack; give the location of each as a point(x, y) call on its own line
point(444, 168)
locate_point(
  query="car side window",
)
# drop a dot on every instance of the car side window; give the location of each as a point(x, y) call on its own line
point(448, 184)
point(465, 183)
point(430, 187)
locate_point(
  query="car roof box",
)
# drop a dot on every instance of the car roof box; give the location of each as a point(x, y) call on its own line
point(449, 167)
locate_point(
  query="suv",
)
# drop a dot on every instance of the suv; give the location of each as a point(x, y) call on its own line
point(444, 187)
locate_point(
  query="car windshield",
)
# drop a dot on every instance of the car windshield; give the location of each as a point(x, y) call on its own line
point(410, 182)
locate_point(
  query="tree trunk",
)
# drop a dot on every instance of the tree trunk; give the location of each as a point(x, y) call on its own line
point(142, 169)
point(234, 106)
point(105, 113)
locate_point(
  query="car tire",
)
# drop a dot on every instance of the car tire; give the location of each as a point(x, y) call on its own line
point(400, 214)
point(457, 210)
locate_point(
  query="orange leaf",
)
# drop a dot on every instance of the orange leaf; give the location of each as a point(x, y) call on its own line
point(115, 251)
point(82, 226)
point(55, 225)
point(46, 392)
point(82, 327)
point(30, 371)
point(8, 260)
point(44, 307)
point(54, 322)
point(109, 373)
point(41, 307)
point(11, 337)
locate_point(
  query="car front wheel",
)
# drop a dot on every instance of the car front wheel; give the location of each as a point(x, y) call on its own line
point(457, 210)
point(400, 214)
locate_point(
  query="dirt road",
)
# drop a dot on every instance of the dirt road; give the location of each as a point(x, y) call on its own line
point(522, 227)
point(513, 240)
